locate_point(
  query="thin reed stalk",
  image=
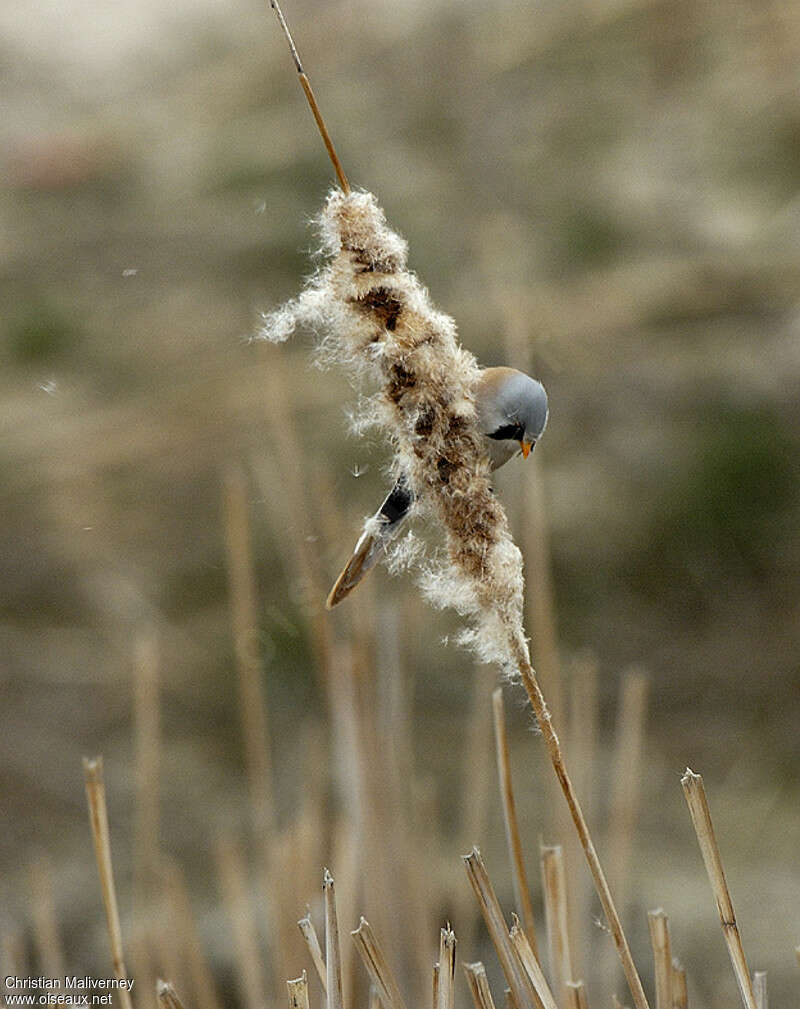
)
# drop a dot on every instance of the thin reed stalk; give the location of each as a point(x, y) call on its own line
point(244, 618)
point(435, 986)
point(662, 957)
point(47, 941)
point(333, 960)
point(701, 820)
point(478, 985)
point(537, 700)
point(680, 992)
point(576, 995)
point(167, 996)
point(309, 934)
point(760, 989)
point(554, 887)
point(521, 987)
point(298, 992)
point(236, 897)
point(98, 820)
point(201, 979)
point(530, 962)
point(377, 966)
point(445, 996)
point(626, 779)
point(518, 874)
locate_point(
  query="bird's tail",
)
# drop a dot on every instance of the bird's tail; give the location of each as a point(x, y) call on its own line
point(378, 533)
point(368, 551)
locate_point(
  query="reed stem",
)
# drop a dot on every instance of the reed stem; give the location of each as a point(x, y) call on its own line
point(701, 819)
point(527, 673)
point(98, 819)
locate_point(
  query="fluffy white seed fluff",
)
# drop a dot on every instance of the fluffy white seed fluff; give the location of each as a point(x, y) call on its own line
point(371, 314)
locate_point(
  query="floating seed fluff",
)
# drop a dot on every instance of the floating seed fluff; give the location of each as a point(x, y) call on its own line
point(371, 314)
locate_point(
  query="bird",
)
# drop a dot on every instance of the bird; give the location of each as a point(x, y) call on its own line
point(511, 411)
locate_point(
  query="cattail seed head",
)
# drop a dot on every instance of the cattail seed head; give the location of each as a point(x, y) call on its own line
point(372, 315)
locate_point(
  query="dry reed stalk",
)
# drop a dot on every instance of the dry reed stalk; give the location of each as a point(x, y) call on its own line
point(554, 888)
point(435, 986)
point(662, 957)
point(445, 996)
point(556, 757)
point(478, 985)
point(760, 989)
point(146, 731)
point(333, 960)
point(298, 992)
point(201, 979)
point(13, 956)
point(584, 715)
point(626, 778)
point(519, 877)
point(47, 941)
point(302, 557)
point(576, 995)
point(377, 966)
point(245, 622)
point(701, 820)
point(309, 934)
point(167, 996)
point(146, 830)
point(531, 964)
point(236, 896)
point(375, 316)
point(680, 993)
point(374, 998)
point(476, 793)
point(98, 820)
point(306, 85)
point(521, 987)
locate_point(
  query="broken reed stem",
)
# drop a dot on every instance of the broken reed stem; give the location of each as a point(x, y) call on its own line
point(531, 684)
point(531, 964)
point(554, 886)
point(701, 820)
point(576, 995)
point(760, 989)
point(445, 996)
point(98, 820)
point(680, 991)
point(333, 960)
point(521, 987)
point(520, 880)
point(435, 986)
point(662, 957)
point(479, 985)
point(309, 934)
point(167, 996)
point(306, 85)
point(298, 992)
point(244, 618)
point(377, 966)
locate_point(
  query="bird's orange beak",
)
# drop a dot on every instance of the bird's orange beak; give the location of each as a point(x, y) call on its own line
point(526, 447)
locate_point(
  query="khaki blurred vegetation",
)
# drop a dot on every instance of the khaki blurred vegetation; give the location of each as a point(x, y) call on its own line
point(605, 192)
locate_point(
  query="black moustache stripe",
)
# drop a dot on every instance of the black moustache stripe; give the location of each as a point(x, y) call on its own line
point(508, 432)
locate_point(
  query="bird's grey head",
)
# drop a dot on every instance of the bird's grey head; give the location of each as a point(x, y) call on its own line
point(519, 410)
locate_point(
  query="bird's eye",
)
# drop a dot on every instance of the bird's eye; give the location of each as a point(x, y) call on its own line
point(508, 432)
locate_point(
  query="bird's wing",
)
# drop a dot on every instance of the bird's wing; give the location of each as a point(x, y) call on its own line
point(379, 531)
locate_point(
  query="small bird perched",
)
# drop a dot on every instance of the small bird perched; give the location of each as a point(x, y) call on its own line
point(511, 410)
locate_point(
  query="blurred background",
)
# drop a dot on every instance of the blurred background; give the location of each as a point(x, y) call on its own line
point(605, 192)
